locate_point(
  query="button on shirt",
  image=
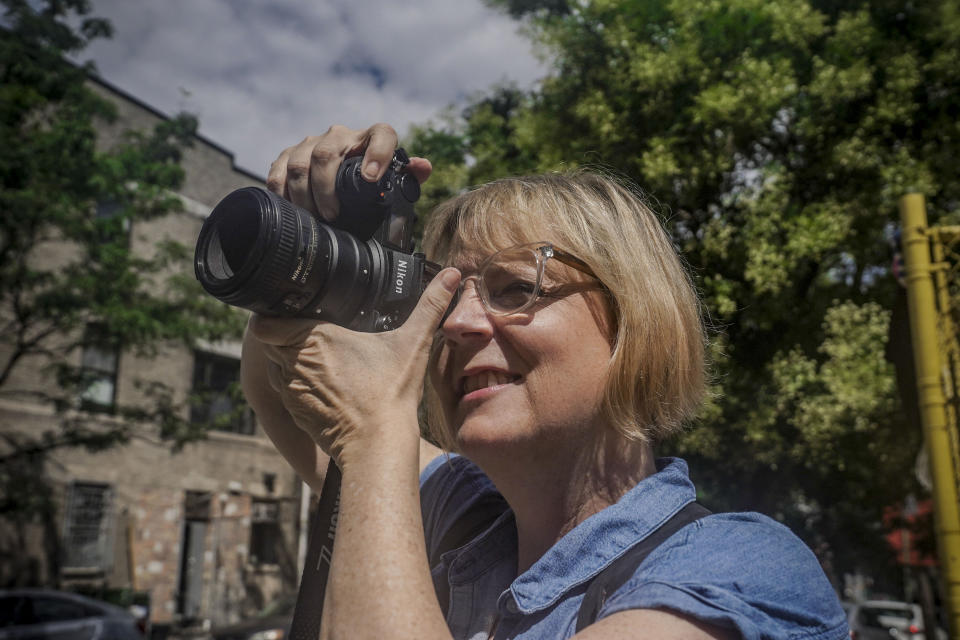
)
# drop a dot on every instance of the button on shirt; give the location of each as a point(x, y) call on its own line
point(739, 571)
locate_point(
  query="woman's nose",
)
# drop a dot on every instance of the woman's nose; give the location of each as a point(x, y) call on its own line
point(468, 320)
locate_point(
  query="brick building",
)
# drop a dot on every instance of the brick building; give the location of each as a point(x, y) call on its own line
point(212, 532)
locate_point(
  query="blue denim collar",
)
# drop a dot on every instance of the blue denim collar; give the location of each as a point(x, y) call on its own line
point(586, 550)
point(597, 541)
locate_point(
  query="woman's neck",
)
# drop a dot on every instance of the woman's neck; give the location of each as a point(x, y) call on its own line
point(551, 493)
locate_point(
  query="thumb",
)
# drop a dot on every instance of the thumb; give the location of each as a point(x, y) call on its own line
point(433, 304)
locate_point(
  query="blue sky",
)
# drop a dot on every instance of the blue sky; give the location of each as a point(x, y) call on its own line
point(262, 75)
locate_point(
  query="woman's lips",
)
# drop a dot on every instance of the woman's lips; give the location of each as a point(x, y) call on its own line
point(484, 383)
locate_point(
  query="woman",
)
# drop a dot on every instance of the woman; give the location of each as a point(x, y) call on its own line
point(574, 345)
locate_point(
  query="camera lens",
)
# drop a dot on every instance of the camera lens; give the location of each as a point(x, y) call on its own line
point(238, 244)
point(259, 252)
point(226, 248)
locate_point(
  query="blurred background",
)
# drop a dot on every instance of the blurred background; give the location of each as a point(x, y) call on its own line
point(777, 139)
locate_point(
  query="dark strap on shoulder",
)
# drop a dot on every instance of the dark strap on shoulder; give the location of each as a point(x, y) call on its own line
point(615, 575)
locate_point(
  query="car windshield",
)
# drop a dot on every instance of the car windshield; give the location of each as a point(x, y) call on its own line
point(883, 617)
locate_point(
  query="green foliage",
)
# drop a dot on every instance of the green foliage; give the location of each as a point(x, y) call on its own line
point(518, 8)
point(69, 274)
point(778, 135)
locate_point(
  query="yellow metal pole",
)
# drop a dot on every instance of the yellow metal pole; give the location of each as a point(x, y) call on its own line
point(926, 353)
point(949, 340)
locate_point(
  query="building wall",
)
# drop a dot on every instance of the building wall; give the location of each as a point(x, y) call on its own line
point(210, 172)
point(149, 483)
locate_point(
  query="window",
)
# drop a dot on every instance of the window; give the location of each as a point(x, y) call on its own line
point(266, 538)
point(109, 210)
point(196, 505)
point(87, 540)
point(98, 365)
point(112, 225)
point(217, 396)
point(100, 372)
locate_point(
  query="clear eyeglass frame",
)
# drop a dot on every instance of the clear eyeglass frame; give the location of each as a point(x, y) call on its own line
point(539, 253)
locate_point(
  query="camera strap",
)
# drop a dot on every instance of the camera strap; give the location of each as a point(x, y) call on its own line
point(624, 567)
point(316, 568)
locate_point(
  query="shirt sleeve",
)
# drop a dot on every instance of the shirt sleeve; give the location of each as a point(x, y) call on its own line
point(452, 488)
point(741, 571)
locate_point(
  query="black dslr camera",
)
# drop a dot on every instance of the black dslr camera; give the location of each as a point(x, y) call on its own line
point(260, 252)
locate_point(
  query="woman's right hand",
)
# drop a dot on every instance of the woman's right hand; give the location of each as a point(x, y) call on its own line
point(305, 174)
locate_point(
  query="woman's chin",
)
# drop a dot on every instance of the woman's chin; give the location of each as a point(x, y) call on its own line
point(472, 434)
point(477, 437)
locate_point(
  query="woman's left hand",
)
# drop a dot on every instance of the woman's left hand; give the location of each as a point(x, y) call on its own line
point(351, 391)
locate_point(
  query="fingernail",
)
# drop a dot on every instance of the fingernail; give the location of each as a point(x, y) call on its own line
point(371, 170)
point(450, 278)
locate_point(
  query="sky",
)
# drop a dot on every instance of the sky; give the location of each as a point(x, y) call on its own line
point(261, 75)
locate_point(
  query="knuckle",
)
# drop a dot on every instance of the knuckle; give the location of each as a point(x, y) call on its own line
point(275, 183)
point(382, 128)
point(298, 170)
point(338, 130)
point(324, 154)
point(438, 305)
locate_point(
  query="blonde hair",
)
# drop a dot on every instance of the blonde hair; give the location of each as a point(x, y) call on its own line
point(656, 373)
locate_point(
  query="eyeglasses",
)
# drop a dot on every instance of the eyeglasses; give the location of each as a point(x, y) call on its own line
point(509, 281)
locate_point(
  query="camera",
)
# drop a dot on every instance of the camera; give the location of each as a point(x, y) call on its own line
point(260, 252)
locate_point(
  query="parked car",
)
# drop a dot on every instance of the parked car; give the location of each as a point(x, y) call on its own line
point(888, 620)
point(271, 623)
point(47, 614)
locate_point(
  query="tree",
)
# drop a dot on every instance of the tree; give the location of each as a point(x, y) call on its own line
point(776, 136)
point(69, 278)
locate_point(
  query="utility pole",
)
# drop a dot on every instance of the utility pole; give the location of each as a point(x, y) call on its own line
point(931, 369)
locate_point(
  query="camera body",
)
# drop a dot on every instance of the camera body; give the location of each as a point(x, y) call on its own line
point(260, 252)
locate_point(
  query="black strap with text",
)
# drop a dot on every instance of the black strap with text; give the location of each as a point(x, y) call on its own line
point(316, 568)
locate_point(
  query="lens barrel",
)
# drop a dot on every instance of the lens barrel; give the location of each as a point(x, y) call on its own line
point(260, 252)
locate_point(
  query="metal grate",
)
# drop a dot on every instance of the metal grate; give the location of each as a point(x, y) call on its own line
point(87, 538)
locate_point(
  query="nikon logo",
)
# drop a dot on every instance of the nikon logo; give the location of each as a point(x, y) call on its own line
point(401, 274)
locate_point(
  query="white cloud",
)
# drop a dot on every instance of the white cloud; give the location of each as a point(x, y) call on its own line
point(262, 75)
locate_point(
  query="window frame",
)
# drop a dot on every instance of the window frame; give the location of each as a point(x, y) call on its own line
point(205, 394)
point(265, 525)
point(73, 556)
point(92, 356)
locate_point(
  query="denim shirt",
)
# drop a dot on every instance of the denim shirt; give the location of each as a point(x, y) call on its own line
point(739, 571)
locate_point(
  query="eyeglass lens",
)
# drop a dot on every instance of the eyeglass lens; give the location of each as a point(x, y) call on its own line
point(511, 280)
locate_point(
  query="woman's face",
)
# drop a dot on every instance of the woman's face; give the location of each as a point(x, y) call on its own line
point(533, 378)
